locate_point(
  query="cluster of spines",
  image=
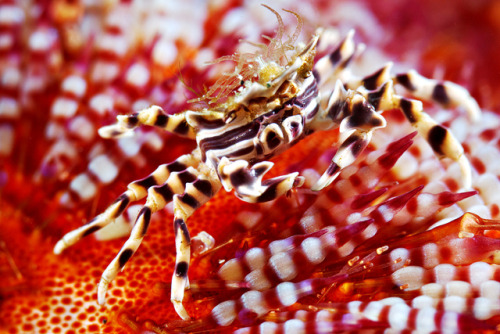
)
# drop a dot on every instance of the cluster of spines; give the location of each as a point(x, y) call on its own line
point(354, 316)
point(373, 262)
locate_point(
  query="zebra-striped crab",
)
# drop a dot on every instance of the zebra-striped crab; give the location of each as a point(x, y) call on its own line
point(277, 105)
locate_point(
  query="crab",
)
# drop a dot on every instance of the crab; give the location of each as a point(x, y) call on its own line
point(276, 105)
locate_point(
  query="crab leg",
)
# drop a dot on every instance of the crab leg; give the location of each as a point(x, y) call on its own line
point(136, 191)
point(446, 93)
point(189, 190)
point(330, 65)
point(154, 116)
point(442, 140)
point(197, 193)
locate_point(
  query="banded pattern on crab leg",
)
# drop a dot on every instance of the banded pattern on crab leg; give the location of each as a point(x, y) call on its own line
point(248, 184)
point(334, 65)
point(136, 190)
point(357, 120)
point(446, 93)
point(154, 116)
point(188, 189)
point(378, 89)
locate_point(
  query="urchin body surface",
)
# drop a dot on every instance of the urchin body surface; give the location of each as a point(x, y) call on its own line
point(262, 119)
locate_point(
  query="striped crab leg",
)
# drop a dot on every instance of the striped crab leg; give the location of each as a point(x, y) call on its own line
point(378, 87)
point(445, 93)
point(136, 191)
point(441, 140)
point(188, 193)
point(154, 116)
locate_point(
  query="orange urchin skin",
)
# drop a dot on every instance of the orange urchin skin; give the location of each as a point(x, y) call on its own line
point(53, 285)
point(48, 294)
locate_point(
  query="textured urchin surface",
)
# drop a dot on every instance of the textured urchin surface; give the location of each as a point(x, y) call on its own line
point(128, 64)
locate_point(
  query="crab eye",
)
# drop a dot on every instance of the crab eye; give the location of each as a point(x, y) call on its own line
point(230, 117)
